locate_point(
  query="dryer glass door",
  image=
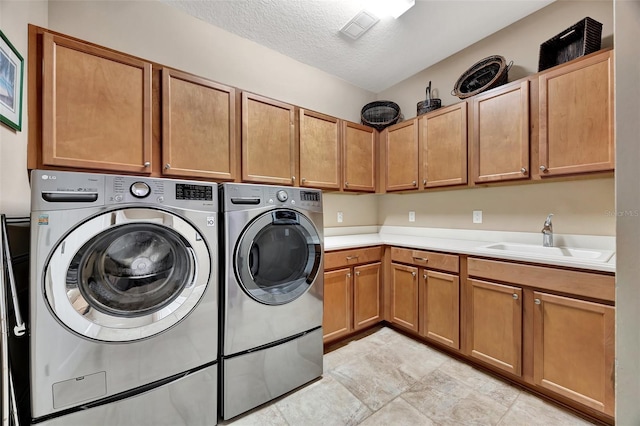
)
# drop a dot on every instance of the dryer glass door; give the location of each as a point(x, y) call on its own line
point(278, 256)
point(127, 274)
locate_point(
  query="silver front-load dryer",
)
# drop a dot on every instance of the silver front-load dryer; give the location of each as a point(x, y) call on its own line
point(273, 292)
point(124, 290)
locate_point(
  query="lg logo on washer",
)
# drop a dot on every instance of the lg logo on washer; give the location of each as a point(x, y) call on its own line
point(47, 177)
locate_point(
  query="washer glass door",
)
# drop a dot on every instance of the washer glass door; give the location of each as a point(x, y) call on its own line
point(128, 274)
point(278, 256)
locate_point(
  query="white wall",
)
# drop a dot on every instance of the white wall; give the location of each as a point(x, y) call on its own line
point(14, 183)
point(627, 65)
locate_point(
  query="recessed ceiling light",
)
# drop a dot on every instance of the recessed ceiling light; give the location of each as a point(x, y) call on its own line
point(395, 8)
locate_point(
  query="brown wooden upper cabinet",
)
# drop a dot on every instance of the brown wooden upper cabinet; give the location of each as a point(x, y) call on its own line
point(359, 157)
point(443, 146)
point(96, 107)
point(500, 147)
point(320, 150)
point(576, 117)
point(401, 155)
point(199, 137)
point(268, 141)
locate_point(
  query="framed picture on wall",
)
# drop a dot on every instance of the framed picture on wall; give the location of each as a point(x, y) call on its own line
point(11, 75)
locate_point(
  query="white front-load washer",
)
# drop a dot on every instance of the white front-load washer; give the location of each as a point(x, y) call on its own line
point(272, 297)
point(123, 299)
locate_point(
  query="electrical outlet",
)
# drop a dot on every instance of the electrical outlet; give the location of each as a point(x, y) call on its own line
point(412, 216)
point(477, 216)
point(340, 217)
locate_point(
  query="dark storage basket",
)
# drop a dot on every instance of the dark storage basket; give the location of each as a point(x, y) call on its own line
point(424, 107)
point(380, 114)
point(486, 74)
point(578, 40)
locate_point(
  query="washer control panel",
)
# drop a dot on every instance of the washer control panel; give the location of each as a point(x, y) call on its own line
point(282, 195)
point(140, 190)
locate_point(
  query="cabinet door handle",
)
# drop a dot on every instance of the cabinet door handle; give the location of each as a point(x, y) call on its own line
point(414, 183)
point(346, 184)
point(358, 273)
point(536, 301)
point(421, 259)
point(293, 178)
point(167, 166)
point(544, 169)
point(523, 170)
point(303, 180)
point(413, 274)
point(424, 276)
point(424, 182)
point(352, 257)
point(147, 163)
point(349, 275)
point(515, 296)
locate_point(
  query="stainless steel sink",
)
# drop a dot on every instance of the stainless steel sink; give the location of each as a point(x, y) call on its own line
point(592, 255)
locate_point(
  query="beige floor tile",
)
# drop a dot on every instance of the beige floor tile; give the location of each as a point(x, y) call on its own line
point(325, 402)
point(373, 379)
point(397, 413)
point(484, 384)
point(263, 416)
point(413, 358)
point(529, 410)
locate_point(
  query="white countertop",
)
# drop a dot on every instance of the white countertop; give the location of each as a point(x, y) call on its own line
point(471, 242)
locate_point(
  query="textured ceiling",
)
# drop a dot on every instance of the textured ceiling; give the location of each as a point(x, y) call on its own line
point(391, 51)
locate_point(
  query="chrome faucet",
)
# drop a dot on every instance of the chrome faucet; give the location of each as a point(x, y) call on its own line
point(547, 232)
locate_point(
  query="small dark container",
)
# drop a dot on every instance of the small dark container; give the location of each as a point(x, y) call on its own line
point(428, 104)
point(380, 114)
point(578, 40)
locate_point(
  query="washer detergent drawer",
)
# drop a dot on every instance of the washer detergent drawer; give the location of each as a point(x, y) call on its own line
point(258, 377)
point(189, 400)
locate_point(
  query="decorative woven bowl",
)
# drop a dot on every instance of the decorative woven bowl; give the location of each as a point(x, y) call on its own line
point(380, 114)
point(486, 74)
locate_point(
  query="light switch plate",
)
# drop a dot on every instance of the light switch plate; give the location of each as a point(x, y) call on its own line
point(477, 216)
point(340, 217)
point(412, 216)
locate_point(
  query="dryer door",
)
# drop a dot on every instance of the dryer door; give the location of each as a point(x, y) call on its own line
point(127, 274)
point(278, 256)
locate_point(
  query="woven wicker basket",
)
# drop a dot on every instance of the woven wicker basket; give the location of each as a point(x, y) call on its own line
point(580, 39)
point(380, 114)
point(486, 74)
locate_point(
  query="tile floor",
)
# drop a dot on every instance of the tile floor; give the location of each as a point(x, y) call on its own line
point(387, 378)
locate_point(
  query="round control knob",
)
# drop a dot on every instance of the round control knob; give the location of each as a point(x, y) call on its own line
point(140, 189)
point(282, 196)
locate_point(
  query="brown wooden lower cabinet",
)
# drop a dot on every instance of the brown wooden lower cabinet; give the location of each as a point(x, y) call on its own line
point(352, 293)
point(404, 296)
point(440, 307)
point(495, 325)
point(574, 349)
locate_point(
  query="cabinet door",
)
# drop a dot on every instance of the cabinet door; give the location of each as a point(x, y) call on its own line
point(96, 108)
point(338, 310)
point(198, 127)
point(501, 134)
point(576, 117)
point(440, 311)
point(404, 296)
point(359, 157)
point(495, 325)
point(366, 295)
point(443, 146)
point(574, 349)
point(268, 140)
point(320, 156)
point(401, 148)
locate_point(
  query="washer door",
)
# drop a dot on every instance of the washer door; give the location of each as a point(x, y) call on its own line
point(127, 275)
point(278, 257)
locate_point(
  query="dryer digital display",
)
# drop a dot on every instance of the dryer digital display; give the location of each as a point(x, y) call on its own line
point(309, 196)
point(194, 192)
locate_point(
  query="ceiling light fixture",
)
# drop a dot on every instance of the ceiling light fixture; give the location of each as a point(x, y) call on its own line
point(359, 24)
point(395, 8)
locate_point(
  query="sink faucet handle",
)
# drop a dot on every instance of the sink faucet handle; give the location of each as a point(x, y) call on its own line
point(547, 222)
